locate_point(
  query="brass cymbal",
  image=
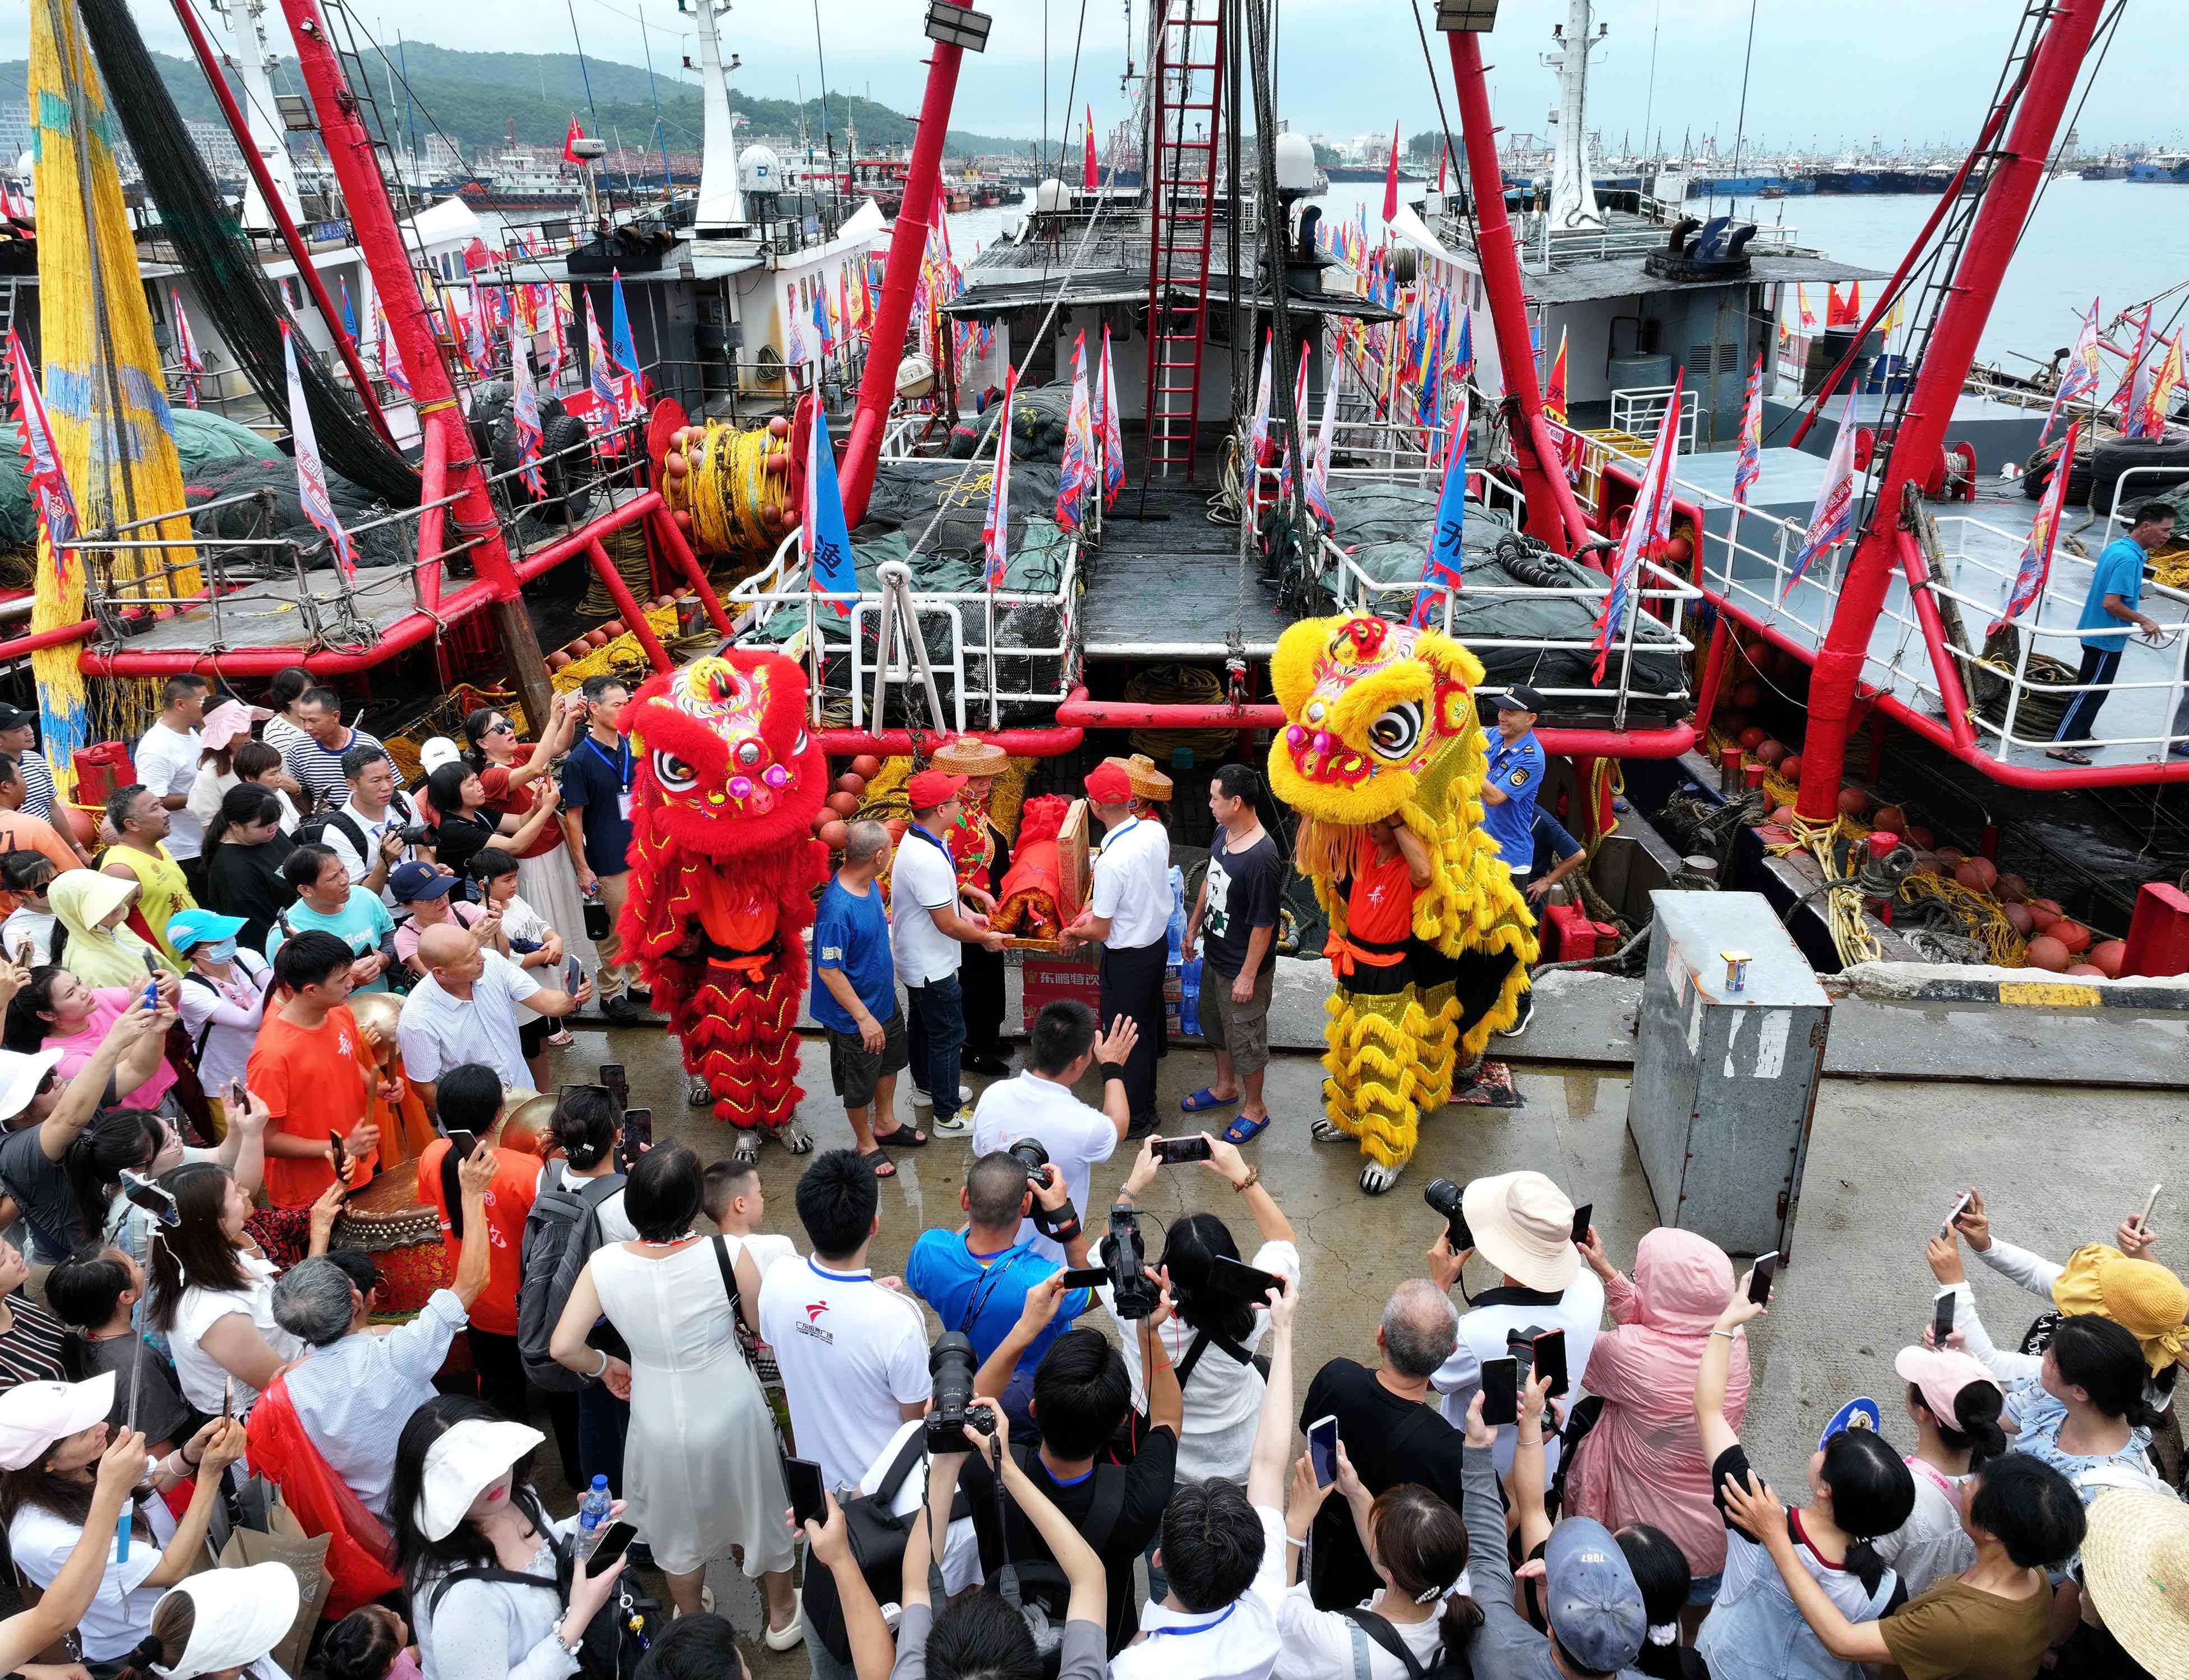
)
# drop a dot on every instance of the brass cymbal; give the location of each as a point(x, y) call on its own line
point(524, 1117)
point(377, 1013)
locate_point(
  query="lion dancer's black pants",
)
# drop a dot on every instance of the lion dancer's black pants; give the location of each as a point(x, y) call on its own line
point(1132, 983)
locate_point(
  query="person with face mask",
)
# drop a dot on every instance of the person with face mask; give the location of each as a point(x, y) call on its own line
point(222, 998)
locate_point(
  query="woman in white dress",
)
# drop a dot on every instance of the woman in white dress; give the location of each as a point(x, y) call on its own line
point(701, 1472)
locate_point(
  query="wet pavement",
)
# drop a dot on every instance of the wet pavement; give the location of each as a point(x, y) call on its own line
point(2060, 1166)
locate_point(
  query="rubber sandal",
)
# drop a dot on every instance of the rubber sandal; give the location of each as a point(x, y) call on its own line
point(1205, 1098)
point(904, 1137)
point(2068, 755)
point(883, 1166)
point(1244, 1130)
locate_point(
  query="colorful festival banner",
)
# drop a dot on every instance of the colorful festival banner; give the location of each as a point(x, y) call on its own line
point(1647, 529)
point(2037, 553)
point(311, 476)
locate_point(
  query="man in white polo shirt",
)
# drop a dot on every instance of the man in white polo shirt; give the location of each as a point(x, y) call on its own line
point(465, 1010)
point(928, 926)
point(1127, 914)
point(1038, 1104)
point(852, 1351)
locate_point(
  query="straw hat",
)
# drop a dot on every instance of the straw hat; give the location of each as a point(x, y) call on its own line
point(1148, 782)
point(2141, 1296)
point(970, 755)
point(2135, 1566)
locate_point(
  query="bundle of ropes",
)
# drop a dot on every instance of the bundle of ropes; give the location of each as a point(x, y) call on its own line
point(234, 289)
point(1178, 685)
point(728, 488)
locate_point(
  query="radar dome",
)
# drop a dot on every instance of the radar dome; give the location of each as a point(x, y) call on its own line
point(1051, 196)
point(759, 170)
point(1295, 163)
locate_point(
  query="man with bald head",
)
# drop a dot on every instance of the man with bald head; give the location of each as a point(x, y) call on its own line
point(465, 1010)
point(855, 999)
point(1390, 1426)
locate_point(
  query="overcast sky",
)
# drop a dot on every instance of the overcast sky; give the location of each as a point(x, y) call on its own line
point(1827, 73)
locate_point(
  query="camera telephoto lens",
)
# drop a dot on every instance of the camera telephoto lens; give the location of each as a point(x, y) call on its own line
point(1029, 1154)
point(951, 1362)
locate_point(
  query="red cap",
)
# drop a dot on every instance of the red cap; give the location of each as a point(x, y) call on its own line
point(931, 788)
point(1108, 785)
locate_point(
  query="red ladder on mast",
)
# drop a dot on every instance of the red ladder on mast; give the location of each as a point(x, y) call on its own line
point(1181, 219)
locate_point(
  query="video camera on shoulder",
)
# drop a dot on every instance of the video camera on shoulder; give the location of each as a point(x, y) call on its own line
point(1125, 1258)
point(952, 1363)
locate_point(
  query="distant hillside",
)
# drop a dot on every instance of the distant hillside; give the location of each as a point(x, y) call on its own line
point(475, 98)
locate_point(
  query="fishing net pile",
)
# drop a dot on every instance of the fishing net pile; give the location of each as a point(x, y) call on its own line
point(241, 299)
point(906, 496)
point(1387, 527)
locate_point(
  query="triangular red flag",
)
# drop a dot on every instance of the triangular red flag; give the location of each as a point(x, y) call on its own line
point(1093, 179)
point(570, 142)
point(1391, 179)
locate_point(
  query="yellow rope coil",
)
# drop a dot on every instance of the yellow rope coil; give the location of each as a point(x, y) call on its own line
point(727, 489)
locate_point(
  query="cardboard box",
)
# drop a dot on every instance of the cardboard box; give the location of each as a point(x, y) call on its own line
point(1051, 979)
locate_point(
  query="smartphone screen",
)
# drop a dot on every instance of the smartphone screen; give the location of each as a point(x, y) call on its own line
point(1942, 1316)
point(637, 1135)
point(801, 1477)
point(1241, 1279)
point(1551, 1359)
point(1085, 1277)
point(1582, 1215)
point(1501, 1400)
point(1174, 1150)
point(1960, 1205)
point(462, 1145)
point(615, 1540)
point(2143, 1219)
point(1322, 1449)
point(1759, 1285)
point(156, 1200)
point(341, 1155)
point(613, 1076)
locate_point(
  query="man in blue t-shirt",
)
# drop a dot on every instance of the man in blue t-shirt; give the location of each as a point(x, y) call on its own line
point(595, 818)
point(1515, 778)
point(976, 1279)
point(855, 998)
point(2108, 613)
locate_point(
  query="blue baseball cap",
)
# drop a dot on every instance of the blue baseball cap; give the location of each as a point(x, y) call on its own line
point(412, 881)
point(1592, 1605)
point(190, 928)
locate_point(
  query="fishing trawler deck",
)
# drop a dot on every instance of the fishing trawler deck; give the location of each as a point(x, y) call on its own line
point(1169, 584)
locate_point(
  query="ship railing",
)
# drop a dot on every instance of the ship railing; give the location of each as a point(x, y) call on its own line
point(1749, 561)
point(836, 634)
point(2117, 517)
point(1663, 595)
point(1545, 246)
point(1638, 410)
point(132, 573)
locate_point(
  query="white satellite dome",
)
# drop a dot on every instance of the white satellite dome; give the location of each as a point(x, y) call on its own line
point(1051, 196)
point(760, 170)
point(1294, 157)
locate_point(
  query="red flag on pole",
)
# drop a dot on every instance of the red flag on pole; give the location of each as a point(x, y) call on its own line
point(1092, 179)
point(1391, 179)
point(1444, 158)
point(570, 142)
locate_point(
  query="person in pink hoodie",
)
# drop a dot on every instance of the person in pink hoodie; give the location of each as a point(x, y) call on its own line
point(1643, 1463)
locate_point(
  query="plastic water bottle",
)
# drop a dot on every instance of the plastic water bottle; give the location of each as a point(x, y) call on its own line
point(1189, 1007)
point(592, 1516)
point(1177, 912)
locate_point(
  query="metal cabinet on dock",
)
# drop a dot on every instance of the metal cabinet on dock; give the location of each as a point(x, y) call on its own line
point(1725, 1078)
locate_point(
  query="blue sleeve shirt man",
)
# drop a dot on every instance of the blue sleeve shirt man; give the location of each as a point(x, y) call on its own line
point(1551, 844)
point(596, 786)
point(1516, 771)
point(851, 934)
point(2119, 571)
point(983, 1295)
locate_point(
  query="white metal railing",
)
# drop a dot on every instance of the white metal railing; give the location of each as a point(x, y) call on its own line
point(1544, 247)
point(1749, 562)
point(1638, 410)
point(2122, 499)
point(831, 623)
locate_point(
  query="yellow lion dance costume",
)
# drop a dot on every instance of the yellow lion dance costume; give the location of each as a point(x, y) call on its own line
point(1382, 729)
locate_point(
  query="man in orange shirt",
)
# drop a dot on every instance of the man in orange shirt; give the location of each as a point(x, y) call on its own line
point(316, 1072)
point(471, 1100)
point(20, 831)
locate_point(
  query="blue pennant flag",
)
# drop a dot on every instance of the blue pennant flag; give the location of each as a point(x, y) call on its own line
point(349, 315)
point(1447, 557)
point(624, 346)
point(822, 538)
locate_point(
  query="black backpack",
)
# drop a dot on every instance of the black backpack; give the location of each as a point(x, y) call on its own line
point(313, 830)
point(1366, 1626)
point(561, 1232)
point(877, 1537)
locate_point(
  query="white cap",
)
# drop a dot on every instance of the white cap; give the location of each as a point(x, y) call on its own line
point(33, 1416)
point(466, 1460)
point(243, 1615)
point(20, 1075)
point(436, 752)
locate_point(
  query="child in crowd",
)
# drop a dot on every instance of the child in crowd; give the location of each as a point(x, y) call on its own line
point(372, 1643)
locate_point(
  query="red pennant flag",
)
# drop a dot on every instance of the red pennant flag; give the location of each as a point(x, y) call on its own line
point(1092, 179)
point(1444, 157)
point(570, 142)
point(1391, 179)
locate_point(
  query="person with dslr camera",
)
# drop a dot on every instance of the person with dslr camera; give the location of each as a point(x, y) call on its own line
point(977, 1278)
point(1081, 1397)
point(1038, 1103)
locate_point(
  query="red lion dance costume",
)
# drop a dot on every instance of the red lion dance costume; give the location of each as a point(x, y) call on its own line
point(723, 869)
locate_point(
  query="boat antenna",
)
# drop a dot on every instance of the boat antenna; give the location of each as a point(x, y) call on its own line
point(660, 132)
point(585, 75)
point(1740, 123)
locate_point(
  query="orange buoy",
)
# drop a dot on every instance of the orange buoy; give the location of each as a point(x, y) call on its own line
point(2089, 971)
point(2071, 934)
point(1919, 837)
point(1854, 802)
point(1747, 695)
point(1978, 875)
point(851, 782)
point(1891, 819)
point(1753, 737)
point(866, 765)
point(2107, 956)
point(2046, 952)
point(2012, 889)
point(1771, 752)
point(1790, 768)
point(835, 833)
point(557, 660)
point(844, 804)
point(2019, 918)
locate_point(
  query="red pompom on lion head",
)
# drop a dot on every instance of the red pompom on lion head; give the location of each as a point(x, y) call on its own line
point(727, 765)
